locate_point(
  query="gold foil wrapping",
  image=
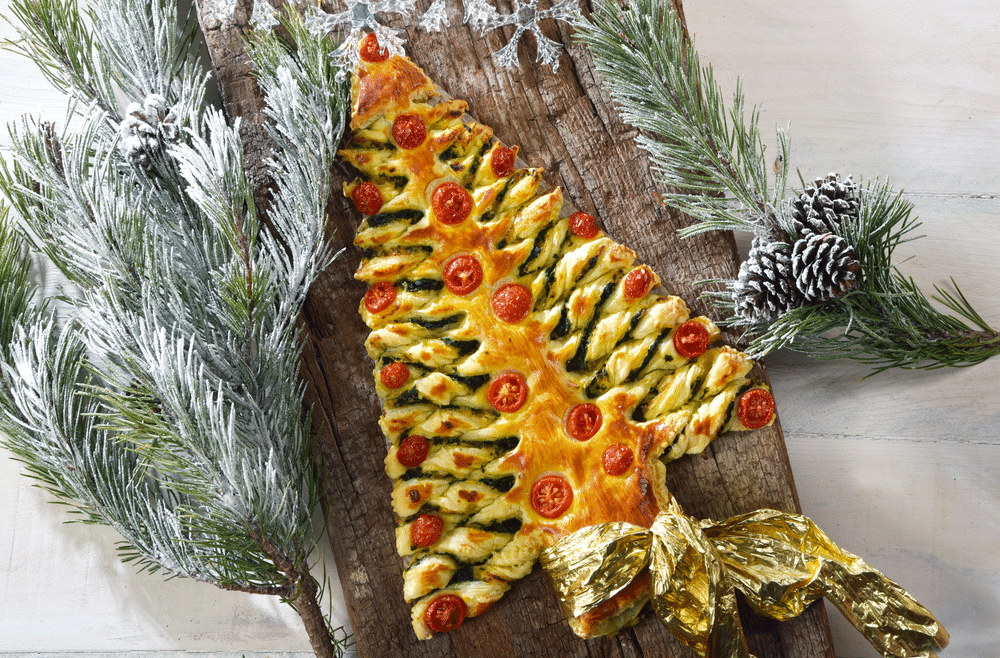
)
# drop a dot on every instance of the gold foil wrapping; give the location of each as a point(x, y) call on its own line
point(781, 562)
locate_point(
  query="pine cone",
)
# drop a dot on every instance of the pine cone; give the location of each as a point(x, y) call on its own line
point(823, 267)
point(826, 204)
point(765, 289)
point(146, 127)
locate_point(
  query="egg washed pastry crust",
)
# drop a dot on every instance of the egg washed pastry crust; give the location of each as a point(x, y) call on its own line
point(588, 339)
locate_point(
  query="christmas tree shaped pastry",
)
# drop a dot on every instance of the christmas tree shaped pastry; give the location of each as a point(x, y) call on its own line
point(532, 381)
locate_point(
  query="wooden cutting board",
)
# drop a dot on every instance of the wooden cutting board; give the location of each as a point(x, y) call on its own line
point(566, 123)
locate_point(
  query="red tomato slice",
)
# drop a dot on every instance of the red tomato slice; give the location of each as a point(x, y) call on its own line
point(394, 375)
point(409, 131)
point(502, 161)
point(756, 408)
point(413, 450)
point(380, 296)
point(451, 203)
point(551, 496)
point(617, 459)
point(463, 274)
point(584, 225)
point(583, 421)
point(512, 302)
point(370, 51)
point(426, 530)
point(445, 613)
point(367, 198)
point(508, 392)
point(691, 339)
point(637, 283)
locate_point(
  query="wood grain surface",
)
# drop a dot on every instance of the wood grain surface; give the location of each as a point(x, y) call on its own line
point(565, 123)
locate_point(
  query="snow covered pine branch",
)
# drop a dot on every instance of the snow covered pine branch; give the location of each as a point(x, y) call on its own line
point(165, 401)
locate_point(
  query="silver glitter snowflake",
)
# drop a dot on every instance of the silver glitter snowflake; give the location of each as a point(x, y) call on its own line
point(525, 16)
point(263, 17)
point(435, 19)
point(358, 18)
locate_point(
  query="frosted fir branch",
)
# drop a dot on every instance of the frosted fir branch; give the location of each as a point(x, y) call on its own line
point(211, 166)
point(16, 292)
point(51, 426)
point(41, 183)
point(151, 48)
point(42, 420)
point(184, 346)
point(122, 319)
point(306, 100)
point(54, 35)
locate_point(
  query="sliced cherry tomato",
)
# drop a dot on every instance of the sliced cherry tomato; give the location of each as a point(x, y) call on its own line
point(502, 161)
point(512, 302)
point(413, 450)
point(380, 296)
point(463, 274)
point(756, 408)
point(637, 283)
point(508, 392)
point(451, 203)
point(617, 458)
point(367, 198)
point(583, 421)
point(394, 375)
point(551, 496)
point(426, 530)
point(445, 613)
point(691, 339)
point(370, 51)
point(584, 225)
point(409, 131)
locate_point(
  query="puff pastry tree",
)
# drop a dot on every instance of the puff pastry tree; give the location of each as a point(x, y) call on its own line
point(533, 382)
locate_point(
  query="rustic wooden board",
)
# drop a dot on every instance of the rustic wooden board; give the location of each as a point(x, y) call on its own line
point(565, 123)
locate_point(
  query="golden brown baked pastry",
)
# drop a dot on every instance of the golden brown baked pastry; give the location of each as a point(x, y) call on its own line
point(532, 381)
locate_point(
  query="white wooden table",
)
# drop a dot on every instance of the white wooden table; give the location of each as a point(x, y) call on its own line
point(901, 468)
